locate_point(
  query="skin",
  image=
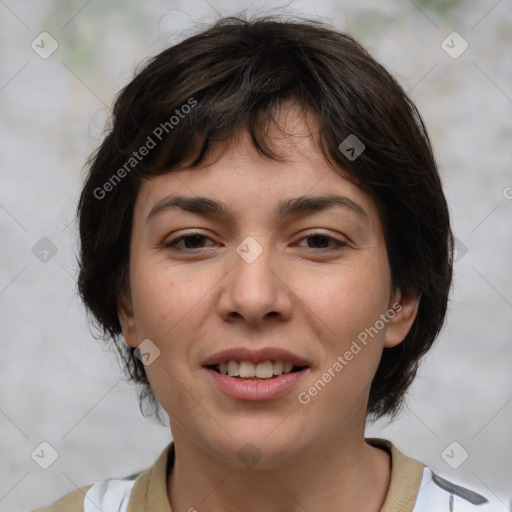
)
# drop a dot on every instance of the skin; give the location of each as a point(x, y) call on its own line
point(303, 294)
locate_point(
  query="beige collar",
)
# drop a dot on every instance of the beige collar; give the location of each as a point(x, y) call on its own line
point(149, 491)
point(406, 474)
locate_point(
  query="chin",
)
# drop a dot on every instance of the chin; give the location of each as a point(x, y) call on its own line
point(257, 445)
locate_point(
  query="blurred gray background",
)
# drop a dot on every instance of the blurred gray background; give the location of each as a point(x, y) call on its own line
point(60, 386)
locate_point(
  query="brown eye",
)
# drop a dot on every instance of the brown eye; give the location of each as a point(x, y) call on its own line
point(322, 241)
point(190, 242)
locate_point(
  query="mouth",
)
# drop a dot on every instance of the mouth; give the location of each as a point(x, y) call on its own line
point(247, 370)
point(255, 375)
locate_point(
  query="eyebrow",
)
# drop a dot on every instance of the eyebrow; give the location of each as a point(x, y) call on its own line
point(292, 207)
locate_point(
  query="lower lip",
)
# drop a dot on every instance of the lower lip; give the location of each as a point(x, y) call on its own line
point(255, 390)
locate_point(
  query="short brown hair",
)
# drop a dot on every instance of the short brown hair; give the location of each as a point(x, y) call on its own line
point(236, 74)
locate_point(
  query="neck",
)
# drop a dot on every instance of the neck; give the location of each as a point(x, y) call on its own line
point(352, 476)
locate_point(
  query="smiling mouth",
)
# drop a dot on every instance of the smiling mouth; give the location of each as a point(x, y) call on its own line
point(246, 370)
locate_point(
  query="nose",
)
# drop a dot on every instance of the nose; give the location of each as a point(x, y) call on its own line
point(256, 289)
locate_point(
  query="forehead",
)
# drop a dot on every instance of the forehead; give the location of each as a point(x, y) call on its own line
point(241, 181)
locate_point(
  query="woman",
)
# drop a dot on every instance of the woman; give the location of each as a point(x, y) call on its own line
point(265, 237)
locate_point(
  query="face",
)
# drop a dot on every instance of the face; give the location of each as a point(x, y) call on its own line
point(257, 281)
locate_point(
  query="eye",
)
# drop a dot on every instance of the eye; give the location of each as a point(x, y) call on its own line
point(322, 240)
point(191, 241)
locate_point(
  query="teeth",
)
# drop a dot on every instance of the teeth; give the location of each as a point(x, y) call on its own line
point(248, 370)
point(264, 370)
point(278, 367)
point(233, 369)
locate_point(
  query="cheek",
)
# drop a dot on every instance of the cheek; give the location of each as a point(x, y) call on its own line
point(348, 301)
point(166, 301)
point(169, 308)
point(349, 308)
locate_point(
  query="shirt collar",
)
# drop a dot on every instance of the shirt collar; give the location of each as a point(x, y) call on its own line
point(149, 491)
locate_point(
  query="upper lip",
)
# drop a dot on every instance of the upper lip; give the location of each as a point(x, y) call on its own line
point(255, 356)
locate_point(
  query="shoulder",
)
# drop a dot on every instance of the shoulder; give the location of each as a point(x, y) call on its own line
point(72, 502)
point(110, 495)
point(437, 493)
point(415, 487)
point(144, 490)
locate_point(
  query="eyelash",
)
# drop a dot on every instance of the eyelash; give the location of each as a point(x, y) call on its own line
point(173, 244)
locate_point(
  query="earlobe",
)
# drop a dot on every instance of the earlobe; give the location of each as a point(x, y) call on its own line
point(127, 319)
point(405, 309)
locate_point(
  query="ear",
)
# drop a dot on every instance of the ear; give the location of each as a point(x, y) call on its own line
point(405, 308)
point(126, 318)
